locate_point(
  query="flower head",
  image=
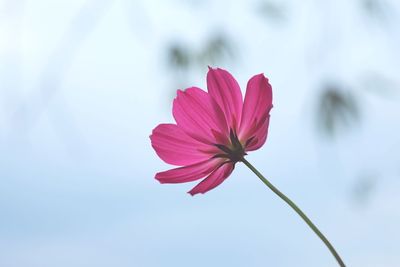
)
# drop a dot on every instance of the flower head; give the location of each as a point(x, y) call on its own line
point(213, 130)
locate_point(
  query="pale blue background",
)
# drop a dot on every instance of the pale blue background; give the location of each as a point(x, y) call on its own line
point(80, 94)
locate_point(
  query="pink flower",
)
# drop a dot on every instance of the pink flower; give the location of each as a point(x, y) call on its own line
point(213, 130)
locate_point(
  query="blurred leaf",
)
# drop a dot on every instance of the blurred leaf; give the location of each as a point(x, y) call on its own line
point(182, 60)
point(363, 188)
point(337, 109)
point(272, 10)
point(375, 8)
point(217, 49)
point(179, 57)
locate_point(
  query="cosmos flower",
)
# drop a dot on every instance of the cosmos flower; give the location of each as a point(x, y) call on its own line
point(214, 130)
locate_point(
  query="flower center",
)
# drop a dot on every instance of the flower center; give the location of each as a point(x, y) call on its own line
point(234, 152)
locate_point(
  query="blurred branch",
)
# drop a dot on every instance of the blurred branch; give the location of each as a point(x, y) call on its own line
point(10, 62)
point(81, 26)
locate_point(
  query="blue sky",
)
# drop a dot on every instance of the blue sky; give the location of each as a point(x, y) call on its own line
point(76, 170)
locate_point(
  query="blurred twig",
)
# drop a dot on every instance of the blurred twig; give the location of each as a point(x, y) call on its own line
point(28, 112)
point(11, 13)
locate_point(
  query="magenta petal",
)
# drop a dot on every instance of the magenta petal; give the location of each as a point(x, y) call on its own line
point(226, 91)
point(256, 107)
point(175, 147)
point(260, 136)
point(188, 173)
point(199, 116)
point(214, 179)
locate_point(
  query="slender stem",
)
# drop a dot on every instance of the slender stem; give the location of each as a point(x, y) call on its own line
point(297, 210)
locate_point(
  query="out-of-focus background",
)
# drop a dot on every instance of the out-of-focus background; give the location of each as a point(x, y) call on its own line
point(83, 82)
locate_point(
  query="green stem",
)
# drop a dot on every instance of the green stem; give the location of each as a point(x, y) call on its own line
point(297, 210)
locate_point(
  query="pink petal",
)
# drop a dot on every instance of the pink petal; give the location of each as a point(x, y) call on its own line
point(188, 173)
point(256, 107)
point(175, 147)
point(199, 116)
point(259, 137)
point(214, 179)
point(226, 91)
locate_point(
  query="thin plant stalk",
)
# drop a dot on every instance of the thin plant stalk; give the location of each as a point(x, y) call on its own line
point(297, 210)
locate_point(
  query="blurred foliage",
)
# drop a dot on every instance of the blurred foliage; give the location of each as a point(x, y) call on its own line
point(272, 10)
point(379, 85)
point(336, 109)
point(363, 188)
point(216, 50)
point(179, 56)
point(182, 59)
point(375, 8)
